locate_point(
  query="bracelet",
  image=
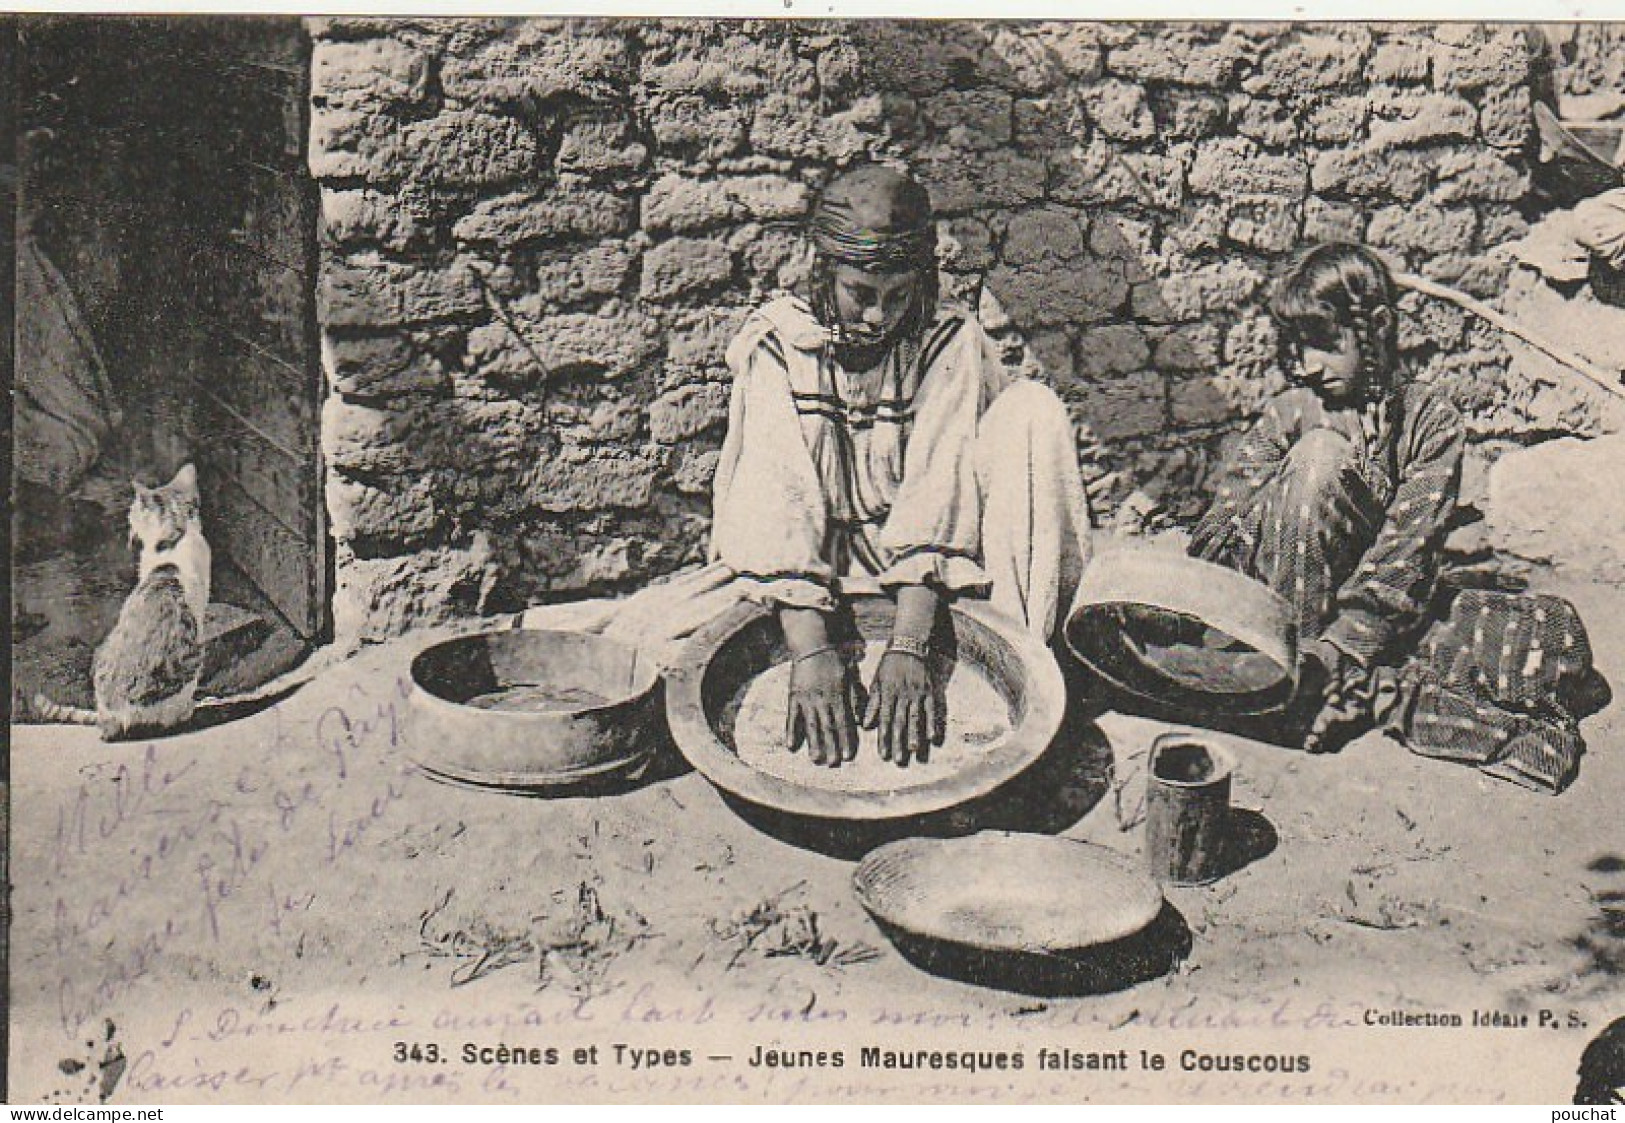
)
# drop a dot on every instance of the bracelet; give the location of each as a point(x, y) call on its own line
point(908, 645)
point(815, 652)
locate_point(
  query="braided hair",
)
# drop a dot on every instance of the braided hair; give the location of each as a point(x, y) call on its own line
point(1339, 286)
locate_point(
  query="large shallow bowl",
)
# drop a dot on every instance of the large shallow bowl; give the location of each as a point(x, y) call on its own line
point(705, 691)
point(1178, 632)
point(1022, 912)
point(1003, 891)
point(594, 710)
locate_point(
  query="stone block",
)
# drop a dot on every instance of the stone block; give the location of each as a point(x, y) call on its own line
point(1478, 275)
point(1370, 173)
point(695, 469)
point(690, 126)
point(364, 290)
point(1111, 349)
point(1306, 65)
point(1046, 232)
point(1119, 110)
point(596, 271)
point(1125, 408)
point(739, 68)
point(1187, 348)
point(351, 144)
point(702, 343)
point(591, 479)
point(583, 59)
point(1501, 62)
point(687, 412)
point(1339, 120)
point(1191, 59)
point(1269, 226)
point(1252, 345)
point(363, 439)
point(1401, 62)
point(677, 202)
point(379, 367)
point(1406, 119)
point(998, 179)
point(965, 244)
point(1325, 221)
point(974, 119)
point(1054, 294)
point(1505, 117)
point(1471, 174)
point(612, 344)
point(1222, 397)
point(361, 216)
point(382, 522)
point(375, 599)
point(1187, 115)
point(1424, 228)
point(368, 72)
point(1233, 166)
point(1269, 121)
point(1532, 512)
point(1022, 59)
point(563, 212)
point(1425, 321)
point(1049, 353)
point(1092, 174)
point(679, 266)
point(1202, 401)
point(467, 149)
point(795, 129)
point(1499, 225)
point(1075, 50)
point(1218, 287)
point(772, 257)
point(599, 146)
point(1160, 179)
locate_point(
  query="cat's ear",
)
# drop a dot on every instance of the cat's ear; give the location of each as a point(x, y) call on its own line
point(185, 480)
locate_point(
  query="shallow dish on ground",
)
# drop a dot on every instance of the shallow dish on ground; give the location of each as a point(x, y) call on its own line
point(727, 699)
point(533, 710)
point(1031, 913)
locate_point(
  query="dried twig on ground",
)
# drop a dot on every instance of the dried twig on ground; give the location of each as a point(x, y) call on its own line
point(778, 932)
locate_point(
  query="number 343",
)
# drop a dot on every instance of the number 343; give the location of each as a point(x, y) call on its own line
point(426, 1054)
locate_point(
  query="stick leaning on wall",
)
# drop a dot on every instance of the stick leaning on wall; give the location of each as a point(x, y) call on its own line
point(1610, 382)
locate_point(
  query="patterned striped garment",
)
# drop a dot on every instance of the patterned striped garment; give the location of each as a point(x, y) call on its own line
point(1344, 513)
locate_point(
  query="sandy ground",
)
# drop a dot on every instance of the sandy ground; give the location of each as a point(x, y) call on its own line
point(283, 909)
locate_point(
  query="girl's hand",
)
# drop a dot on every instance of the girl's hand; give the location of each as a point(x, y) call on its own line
point(821, 708)
point(903, 707)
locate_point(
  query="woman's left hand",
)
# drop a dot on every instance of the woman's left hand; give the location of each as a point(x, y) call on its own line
point(903, 708)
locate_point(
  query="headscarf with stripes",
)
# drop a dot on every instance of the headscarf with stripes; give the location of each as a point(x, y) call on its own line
point(879, 219)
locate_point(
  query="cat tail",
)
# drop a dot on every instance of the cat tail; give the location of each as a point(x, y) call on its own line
point(56, 713)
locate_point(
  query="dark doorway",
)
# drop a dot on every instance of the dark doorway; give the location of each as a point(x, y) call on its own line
point(166, 198)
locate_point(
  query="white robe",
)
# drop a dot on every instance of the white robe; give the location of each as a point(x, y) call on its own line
point(943, 471)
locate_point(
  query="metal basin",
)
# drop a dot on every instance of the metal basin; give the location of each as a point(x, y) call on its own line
point(533, 710)
point(706, 692)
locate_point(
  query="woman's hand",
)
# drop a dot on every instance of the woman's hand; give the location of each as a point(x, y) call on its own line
point(821, 708)
point(1340, 711)
point(903, 708)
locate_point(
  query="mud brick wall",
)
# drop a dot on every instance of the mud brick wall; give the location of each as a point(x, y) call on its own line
point(539, 235)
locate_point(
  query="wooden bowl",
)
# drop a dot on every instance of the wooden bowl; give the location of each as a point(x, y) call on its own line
point(1030, 913)
point(706, 692)
point(1178, 632)
point(1003, 891)
point(533, 710)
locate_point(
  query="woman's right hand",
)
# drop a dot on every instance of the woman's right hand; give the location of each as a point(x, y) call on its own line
point(822, 705)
